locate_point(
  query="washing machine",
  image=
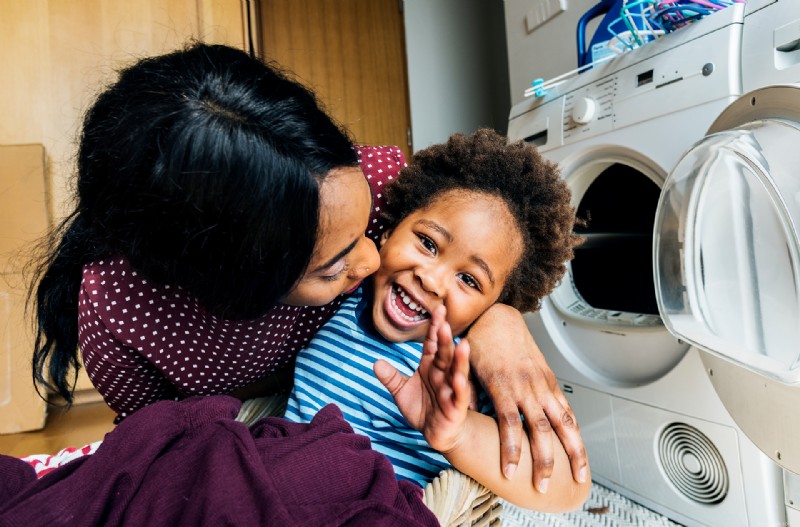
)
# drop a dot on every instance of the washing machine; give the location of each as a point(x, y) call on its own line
point(727, 267)
point(726, 246)
point(653, 424)
point(770, 43)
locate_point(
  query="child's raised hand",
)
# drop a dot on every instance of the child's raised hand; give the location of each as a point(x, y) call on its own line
point(435, 399)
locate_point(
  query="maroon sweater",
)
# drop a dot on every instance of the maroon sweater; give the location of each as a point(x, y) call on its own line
point(190, 463)
point(143, 342)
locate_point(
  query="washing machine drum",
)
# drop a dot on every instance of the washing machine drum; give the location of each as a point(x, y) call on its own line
point(727, 263)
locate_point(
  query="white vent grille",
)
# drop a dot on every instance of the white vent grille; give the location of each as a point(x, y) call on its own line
point(693, 464)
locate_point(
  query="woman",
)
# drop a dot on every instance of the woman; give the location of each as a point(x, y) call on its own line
point(220, 216)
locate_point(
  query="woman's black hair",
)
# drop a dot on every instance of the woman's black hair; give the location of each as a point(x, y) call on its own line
point(201, 167)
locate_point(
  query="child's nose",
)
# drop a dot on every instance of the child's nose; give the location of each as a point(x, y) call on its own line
point(430, 280)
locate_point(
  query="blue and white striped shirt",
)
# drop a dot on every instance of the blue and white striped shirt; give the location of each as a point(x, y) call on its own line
point(336, 367)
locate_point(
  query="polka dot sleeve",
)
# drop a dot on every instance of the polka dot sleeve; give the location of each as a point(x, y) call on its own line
point(143, 342)
point(380, 164)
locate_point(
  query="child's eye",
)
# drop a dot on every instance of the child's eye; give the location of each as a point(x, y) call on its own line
point(429, 244)
point(469, 280)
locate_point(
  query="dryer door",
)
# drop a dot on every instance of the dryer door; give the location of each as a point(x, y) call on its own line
point(727, 263)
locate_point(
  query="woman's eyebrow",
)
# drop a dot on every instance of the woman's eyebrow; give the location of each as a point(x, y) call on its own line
point(344, 252)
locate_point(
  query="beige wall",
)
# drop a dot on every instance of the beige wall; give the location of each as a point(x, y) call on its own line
point(56, 55)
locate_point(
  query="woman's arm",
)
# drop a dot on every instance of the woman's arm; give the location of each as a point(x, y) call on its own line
point(515, 375)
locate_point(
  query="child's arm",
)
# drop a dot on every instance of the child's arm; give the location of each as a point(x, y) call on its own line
point(434, 400)
point(478, 456)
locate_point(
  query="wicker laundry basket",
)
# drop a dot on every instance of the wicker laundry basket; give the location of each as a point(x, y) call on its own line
point(456, 499)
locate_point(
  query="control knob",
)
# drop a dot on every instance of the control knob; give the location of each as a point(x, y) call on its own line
point(583, 110)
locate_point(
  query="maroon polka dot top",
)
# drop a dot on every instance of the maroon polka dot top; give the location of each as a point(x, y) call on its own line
point(142, 342)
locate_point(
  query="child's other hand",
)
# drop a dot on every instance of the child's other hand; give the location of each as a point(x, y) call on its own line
point(435, 399)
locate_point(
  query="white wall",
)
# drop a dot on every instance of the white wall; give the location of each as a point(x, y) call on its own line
point(457, 68)
point(547, 51)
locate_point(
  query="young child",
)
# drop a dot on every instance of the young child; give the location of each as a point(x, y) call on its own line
point(473, 222)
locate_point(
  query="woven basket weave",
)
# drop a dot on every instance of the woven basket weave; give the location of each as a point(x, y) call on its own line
point(457, 500)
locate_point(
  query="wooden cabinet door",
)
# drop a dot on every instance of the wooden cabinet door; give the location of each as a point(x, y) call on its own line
point(352, 54)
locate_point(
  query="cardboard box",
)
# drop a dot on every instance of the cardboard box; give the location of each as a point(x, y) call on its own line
point(24, 219)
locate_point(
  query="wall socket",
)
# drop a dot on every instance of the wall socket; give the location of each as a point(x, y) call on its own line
point(542, 11)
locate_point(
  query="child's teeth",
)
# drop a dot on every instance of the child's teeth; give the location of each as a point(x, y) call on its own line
point(397, 290)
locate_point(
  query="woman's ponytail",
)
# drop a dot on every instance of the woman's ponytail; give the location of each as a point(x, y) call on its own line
point(55, 355)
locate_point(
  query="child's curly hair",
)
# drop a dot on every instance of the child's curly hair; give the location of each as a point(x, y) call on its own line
point(531, 186)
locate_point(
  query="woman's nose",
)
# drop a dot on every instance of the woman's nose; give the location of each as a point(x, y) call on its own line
point(367, 260)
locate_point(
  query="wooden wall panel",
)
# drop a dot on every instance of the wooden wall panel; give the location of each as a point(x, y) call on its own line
point(58, 54)
point(352, 53)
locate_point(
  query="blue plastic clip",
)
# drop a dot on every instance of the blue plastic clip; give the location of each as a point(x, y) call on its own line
point(538, 87)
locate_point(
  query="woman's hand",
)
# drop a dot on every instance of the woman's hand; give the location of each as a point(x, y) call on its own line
point(515, 374)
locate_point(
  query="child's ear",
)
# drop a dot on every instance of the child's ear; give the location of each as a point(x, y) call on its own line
point(384, 237)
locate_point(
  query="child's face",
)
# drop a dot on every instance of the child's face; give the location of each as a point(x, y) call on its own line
point(458, 251)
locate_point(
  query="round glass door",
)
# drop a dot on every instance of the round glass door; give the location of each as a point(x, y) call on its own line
point(727, 263)
point(727, 271)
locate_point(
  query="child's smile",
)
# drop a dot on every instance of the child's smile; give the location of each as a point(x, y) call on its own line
point(457, 251)
point(404, 309)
